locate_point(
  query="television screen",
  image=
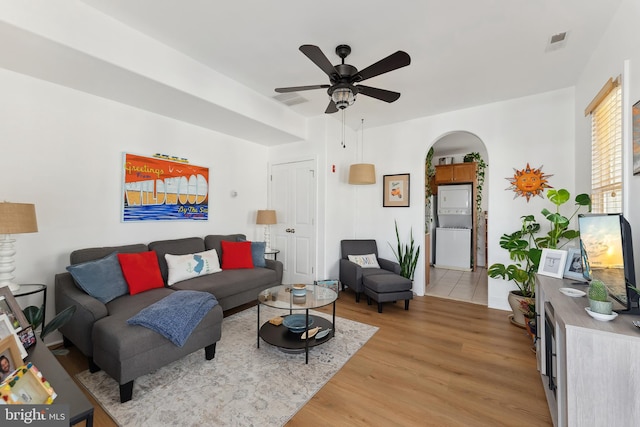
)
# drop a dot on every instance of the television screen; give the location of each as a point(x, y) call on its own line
point(607, 254)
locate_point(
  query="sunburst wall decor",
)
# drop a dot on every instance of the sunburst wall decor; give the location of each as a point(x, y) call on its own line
point(528, 182)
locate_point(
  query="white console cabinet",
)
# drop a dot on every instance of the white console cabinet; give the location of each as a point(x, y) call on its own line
point(595, 366)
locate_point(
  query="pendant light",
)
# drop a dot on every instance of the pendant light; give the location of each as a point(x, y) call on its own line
point(362, 173)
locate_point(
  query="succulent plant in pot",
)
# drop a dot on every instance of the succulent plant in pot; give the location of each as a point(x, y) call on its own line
point(599, 298)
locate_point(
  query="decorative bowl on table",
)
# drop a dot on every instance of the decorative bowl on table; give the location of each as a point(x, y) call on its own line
point(295, 323)
point(299, 290)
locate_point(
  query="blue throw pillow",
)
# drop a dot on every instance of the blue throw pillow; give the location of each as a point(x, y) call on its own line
point(101, 278)
point(257, 253)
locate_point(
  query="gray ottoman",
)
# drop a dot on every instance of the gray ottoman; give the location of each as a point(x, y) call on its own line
point(387, 287)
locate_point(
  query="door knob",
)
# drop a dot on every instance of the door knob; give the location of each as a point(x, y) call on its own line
point(288, 230)
point(293, 230)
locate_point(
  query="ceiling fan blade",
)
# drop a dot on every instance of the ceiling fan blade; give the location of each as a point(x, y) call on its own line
point(381, 94)
point(392, 62)
point(331, 108)
point(315, 54)
point(300, 88)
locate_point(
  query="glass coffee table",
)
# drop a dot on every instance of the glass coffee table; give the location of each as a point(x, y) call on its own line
point(281, 297)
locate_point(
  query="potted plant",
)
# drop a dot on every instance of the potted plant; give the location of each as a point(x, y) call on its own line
point(407, 255)
point(599, 298)
point(525, 247)
point(476, 157)
point(528, 308)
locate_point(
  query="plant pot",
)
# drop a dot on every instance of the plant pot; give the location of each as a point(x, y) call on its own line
point(531, 328)
point(603, 307)
point(514, 302)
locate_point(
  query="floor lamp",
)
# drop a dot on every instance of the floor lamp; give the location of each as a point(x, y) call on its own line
point(15, 218)
point(266, 217)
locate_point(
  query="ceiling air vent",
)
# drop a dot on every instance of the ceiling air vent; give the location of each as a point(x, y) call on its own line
point(290, 99)
point(557, 41)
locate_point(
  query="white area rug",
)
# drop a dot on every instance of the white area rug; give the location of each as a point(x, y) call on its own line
point(242, 386)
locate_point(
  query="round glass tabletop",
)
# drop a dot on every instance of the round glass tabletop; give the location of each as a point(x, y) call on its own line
point(282, 297)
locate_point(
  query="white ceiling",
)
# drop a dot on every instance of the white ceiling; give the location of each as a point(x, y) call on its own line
point(464, 52)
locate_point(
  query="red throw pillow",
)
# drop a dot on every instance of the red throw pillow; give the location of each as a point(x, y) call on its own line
point(236, 255)
point(141, 271)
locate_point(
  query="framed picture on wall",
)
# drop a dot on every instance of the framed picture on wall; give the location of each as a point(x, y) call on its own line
point(395, 191)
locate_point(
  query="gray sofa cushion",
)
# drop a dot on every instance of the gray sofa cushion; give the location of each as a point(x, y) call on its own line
point(128, 351)
point(358, 247)
point(189, 245)
point(231, 282)
point(89, 254)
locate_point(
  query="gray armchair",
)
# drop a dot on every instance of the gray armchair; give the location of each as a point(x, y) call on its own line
point(351, 274)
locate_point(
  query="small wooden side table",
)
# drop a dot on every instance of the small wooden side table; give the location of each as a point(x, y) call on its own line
point(31, 289)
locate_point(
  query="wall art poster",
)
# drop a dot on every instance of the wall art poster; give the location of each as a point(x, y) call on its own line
point(156, 189)
point(395, 190)
point(636, 138)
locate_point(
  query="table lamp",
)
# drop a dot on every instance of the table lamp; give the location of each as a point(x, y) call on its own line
point(266, 217)
point(15, 218)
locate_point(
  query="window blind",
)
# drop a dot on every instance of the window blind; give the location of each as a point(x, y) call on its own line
point(606, 151)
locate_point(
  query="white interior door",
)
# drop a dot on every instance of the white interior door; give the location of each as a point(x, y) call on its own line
point(293, 196)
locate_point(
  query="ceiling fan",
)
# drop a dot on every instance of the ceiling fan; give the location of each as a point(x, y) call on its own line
point(343, 77)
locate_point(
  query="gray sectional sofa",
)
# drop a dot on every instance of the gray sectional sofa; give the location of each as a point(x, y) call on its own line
point(101, 332)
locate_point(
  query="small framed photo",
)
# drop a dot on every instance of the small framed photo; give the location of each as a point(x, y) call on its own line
point(10, 359)
point(10, 307)
point(395, 191)
point(6, 330)
point(28, 386)
point(573, 268)
point(27, 337)
point(552, 263)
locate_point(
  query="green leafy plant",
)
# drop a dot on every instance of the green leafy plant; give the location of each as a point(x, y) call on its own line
point(476, 157)
point(35, 314)
point(525, 245)
point(430, 173)
point(407, 255)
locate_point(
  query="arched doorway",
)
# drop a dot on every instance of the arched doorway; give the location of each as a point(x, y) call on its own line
point(454, 283)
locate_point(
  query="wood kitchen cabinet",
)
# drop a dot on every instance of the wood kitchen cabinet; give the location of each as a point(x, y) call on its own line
point(457, 172)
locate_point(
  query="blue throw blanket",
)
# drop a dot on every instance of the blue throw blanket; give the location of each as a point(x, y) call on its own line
point(177, 315)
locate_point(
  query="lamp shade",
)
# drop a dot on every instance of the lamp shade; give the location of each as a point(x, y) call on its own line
point(266, 217)
point(17, 218)
point(362, 174)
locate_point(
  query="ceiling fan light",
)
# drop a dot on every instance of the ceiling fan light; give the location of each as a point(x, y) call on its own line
point(343, 97)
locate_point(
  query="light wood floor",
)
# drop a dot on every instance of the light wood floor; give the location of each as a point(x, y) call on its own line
point(442, 363)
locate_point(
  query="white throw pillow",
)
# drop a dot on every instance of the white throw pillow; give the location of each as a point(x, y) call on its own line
point(183, 267)
point(365, 261)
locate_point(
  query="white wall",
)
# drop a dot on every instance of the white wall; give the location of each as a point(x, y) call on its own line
point(334, 213)
point(62, 150)
point(617, 47)
point(536, 130)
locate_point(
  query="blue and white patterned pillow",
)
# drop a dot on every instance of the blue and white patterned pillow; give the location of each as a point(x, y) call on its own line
point(183, 267)
point(365, 261)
